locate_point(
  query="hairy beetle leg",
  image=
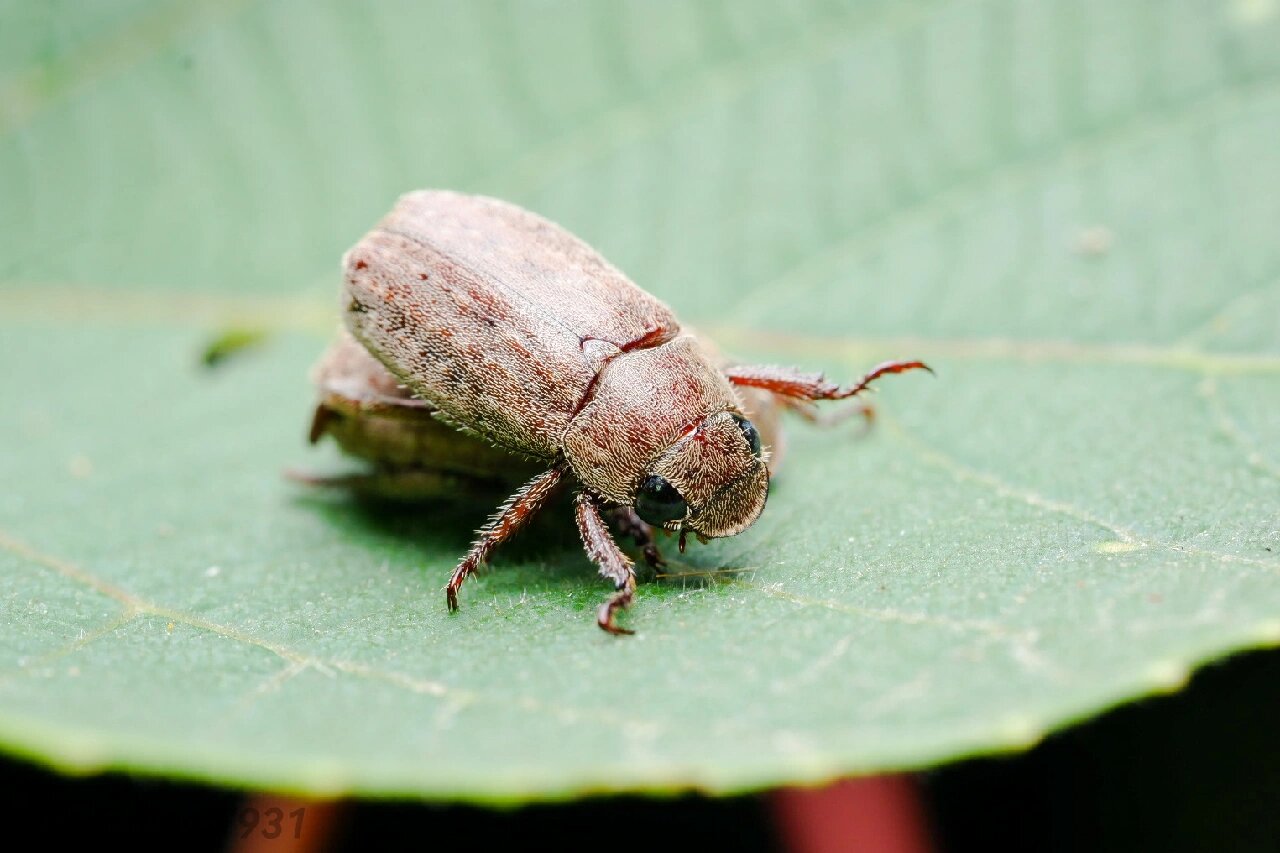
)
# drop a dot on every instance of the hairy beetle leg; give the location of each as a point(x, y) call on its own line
point(631, 525)
point(807, 410)
point(606, 554)
point(620, 601)
point(789, 382)
point(509, 518)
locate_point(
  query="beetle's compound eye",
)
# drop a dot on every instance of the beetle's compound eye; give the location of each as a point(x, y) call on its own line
point(658, 502)
point(750, 433)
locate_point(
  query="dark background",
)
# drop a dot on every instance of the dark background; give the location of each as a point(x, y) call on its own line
point(1199, 770)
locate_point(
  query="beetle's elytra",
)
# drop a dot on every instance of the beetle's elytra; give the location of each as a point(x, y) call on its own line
point(487, 342)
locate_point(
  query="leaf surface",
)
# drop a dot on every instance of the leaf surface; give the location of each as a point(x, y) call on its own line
point(1069, 209)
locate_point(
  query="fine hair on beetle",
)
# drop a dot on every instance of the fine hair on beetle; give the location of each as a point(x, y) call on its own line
point(484, 342)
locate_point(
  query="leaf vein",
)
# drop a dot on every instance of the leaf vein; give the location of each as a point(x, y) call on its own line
point(87, 637)
point(1126, 536)
point(136, 605)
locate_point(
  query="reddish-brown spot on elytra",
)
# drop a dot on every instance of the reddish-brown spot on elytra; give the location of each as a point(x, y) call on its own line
point(651, 338)
point(360, 265)
point(422, 276)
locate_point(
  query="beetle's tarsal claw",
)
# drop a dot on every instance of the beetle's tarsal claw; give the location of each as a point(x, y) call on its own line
point(653, 557)
point(604, 616)
point(885, 369)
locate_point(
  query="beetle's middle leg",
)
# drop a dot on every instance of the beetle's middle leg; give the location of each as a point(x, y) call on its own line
point(509, 518)
point(628, 523)
point(606, 554)
point(827, 419)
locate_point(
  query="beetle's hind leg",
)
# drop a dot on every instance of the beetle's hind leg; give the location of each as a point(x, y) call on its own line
point(606, 554)
point(509, 518)
point(631, 525)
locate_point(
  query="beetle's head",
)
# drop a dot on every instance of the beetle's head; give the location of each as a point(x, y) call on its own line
point(712, 481)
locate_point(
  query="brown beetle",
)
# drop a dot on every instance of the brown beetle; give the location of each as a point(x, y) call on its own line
point(486, 340)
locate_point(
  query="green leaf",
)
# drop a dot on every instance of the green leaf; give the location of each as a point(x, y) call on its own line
point(1069, 209)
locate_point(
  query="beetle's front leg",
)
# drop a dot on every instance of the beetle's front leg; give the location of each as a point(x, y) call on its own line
point(606, 554)
point(792, 383)
point(509, 518)
point(629, 523)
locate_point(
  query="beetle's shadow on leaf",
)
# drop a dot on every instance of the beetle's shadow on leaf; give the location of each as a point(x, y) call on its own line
point(444, 528)
point(548, 547)
point(678, 575)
